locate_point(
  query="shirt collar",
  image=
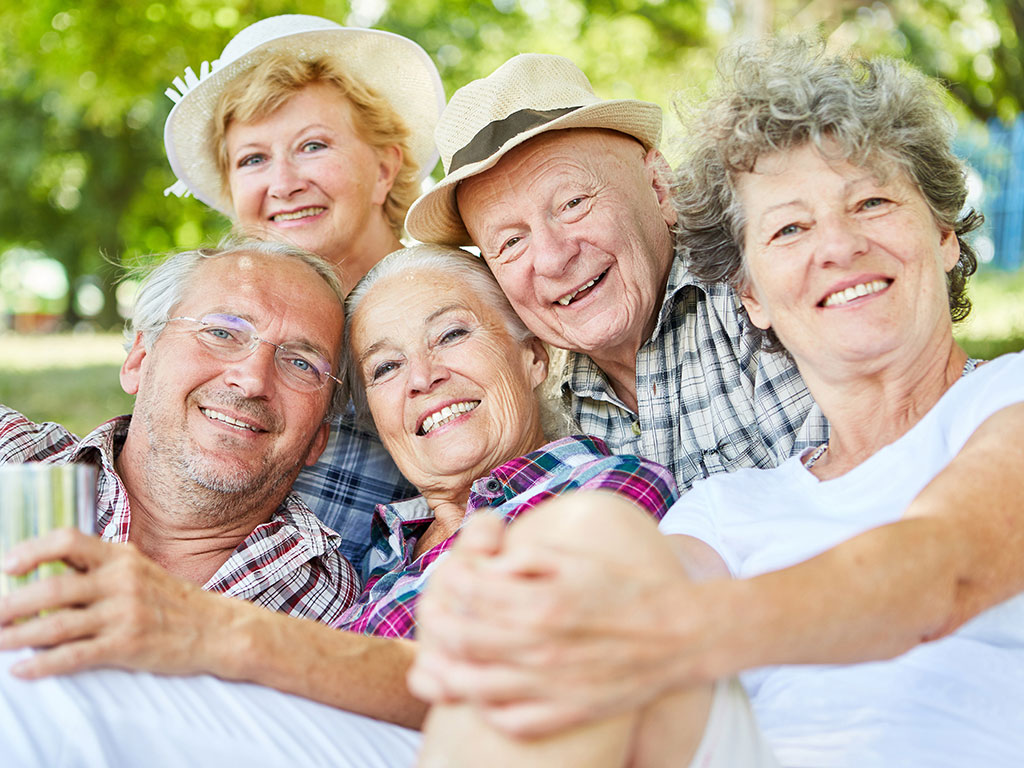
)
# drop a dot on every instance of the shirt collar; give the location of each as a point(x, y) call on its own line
point(581, 377)
point(103, 444)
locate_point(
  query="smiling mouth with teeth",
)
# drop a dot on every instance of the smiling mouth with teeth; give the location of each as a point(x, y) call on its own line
point(446, 414)
point(854, 292)
point(569, 297)
point(224, 418)
point(304, 213)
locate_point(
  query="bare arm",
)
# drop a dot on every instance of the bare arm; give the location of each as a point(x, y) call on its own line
point(958, 550)
point(120, 609)
point(529, 641)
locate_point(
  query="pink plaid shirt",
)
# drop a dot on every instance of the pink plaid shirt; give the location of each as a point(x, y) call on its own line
point(290, 563)
point(396, 578)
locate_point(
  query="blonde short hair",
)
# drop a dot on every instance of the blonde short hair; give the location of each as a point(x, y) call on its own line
point(263, 89)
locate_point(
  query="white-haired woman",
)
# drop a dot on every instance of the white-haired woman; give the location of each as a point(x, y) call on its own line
point(318, 135)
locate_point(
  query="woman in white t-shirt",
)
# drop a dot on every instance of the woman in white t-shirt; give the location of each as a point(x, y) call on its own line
point(827, 192)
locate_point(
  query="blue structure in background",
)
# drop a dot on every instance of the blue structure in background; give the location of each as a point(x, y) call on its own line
point(999, 160)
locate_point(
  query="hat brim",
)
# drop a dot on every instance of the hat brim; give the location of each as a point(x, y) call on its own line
point(395, 67)
point(435, 217)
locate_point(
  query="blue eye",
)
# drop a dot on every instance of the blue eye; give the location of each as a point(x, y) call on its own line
point(218, 334)
point(786, 231)
point(302, 365)
point(248, 160)
point(313, 146)
point(452, 335)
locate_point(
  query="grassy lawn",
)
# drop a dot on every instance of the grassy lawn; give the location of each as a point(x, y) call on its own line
point(72, 378)
point(67, 378)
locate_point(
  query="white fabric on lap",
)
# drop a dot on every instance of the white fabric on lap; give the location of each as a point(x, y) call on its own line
point(732, 738)
point(111, 718)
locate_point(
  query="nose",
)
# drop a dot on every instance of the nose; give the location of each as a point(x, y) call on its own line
point(554, 247)
point(425, 373)
point(286, 180)
point(840, 241)
point(254, 375)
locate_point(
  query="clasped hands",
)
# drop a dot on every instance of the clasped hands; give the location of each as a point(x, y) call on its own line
point(542, 637)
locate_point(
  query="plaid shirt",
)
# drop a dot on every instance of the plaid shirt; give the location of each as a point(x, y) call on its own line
point(352, 477)
point(397, 578)
point(709, 399)
point(290, 563)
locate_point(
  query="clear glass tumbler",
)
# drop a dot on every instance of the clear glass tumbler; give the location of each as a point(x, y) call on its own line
point(37, 498)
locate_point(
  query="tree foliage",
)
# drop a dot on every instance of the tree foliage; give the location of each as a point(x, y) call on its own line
point(82, 104)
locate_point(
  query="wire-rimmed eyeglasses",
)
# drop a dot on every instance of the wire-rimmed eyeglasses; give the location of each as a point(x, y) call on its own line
point(231, 338)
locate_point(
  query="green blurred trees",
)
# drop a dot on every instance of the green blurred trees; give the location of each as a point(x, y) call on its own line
point(82, 104)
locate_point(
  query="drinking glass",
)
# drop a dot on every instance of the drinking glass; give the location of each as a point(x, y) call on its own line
point(37, 498)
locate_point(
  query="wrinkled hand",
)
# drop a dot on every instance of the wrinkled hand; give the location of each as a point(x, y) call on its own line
point(544, 637)
point(114, 608)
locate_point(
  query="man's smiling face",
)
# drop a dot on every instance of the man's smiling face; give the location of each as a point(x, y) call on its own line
point(226, 426)
point(575, 226)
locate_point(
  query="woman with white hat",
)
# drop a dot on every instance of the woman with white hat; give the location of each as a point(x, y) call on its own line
point(311, 132)
point(315, 134)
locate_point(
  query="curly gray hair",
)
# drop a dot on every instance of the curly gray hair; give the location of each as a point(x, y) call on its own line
point(882, 114)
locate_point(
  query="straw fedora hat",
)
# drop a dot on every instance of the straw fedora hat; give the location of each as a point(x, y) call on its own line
point(395, 67)
point(527, 95)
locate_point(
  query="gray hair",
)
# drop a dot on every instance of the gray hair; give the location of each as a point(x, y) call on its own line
point(775, 96)
point(163, 287)
point(474, 274)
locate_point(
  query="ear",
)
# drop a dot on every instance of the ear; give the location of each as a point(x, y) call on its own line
point(660, 175)
point(536, 361)
point(131, 369)
point(757, 314)
point(950, 246)
point(316, 447)
point(389, 164)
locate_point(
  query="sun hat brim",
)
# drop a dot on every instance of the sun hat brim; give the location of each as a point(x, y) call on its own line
point(435, 217)
point(395, 67)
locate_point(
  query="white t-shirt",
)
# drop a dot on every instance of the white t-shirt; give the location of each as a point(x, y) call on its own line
point(958, 701)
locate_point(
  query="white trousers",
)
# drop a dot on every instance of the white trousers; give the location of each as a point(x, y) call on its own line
point(110, 718)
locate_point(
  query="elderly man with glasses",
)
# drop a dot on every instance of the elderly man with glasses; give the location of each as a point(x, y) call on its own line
point(230, 359)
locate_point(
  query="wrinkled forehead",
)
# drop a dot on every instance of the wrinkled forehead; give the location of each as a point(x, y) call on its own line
point(266, 288)
point(407, 304)
point(592, 148)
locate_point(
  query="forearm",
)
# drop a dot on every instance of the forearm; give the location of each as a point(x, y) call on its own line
point(957, 551)
point(866, 599)
point(350, 671)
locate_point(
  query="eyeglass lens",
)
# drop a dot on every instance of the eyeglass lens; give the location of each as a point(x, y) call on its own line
point(233, 338)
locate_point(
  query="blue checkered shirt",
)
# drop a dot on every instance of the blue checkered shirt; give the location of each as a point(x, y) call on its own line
point(710, 400)
point(352, 477)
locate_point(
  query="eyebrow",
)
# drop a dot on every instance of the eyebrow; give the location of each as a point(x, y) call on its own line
point(849, 185)
point(443, 311)
point(383, 343)
point(305, 129)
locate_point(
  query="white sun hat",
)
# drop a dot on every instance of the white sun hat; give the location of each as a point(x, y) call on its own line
point(393, 66)
point(527, 95)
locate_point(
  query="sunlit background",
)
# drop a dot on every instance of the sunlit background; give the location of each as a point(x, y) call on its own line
point(82, 107)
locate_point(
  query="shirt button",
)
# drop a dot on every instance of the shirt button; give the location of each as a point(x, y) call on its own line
point(654, 388)
point(492, 485)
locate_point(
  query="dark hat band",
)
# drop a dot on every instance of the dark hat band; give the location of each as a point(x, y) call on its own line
point(493, 136)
